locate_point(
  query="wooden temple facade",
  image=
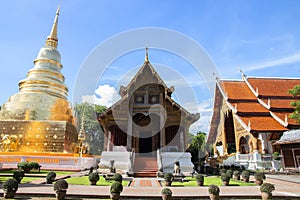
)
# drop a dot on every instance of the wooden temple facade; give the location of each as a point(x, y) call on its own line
point(250, 115)
point(146, 119)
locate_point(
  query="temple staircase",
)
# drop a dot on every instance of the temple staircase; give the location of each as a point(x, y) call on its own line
point(145, 167)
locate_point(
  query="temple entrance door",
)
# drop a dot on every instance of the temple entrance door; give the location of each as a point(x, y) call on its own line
point(145, 146)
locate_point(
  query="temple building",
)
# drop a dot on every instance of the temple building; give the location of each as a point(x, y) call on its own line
point(38, 119)
point(146, 129)
point(250, 116)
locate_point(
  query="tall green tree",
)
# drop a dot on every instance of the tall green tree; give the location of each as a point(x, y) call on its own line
point(296, 104)
point(197, 146)
point(94, 133)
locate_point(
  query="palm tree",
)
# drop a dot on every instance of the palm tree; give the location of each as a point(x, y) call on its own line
point(199, 144)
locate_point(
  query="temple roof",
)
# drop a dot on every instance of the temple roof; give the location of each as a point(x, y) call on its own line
point(290, 137)
point(148, 75)
point(258, 104)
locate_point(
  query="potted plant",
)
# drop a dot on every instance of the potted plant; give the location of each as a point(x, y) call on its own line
point(259, 178)
point(166, 194)
point(10, 188)
point(200, 180)
point(229, 173)
point(50, 177)
point(18, 175)
point(115, 189)
point(168, 178)
point(225, 179)
point(266, 190)
point(236, 175)
point(117, 177)
point(60, 187)
point(214, 192)
point(245, 175)
point(94, 178)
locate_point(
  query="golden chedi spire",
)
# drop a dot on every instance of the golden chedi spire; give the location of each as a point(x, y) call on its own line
point(52, 38)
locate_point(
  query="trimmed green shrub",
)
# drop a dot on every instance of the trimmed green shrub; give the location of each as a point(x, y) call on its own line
point(166, 191)
point(213, 189)
point(61, 184)
point(18, 175)
point(50, 177)
point(11, 185)
point(117, 177)
point(94, 178)
point(229, 173)
point(116, 187)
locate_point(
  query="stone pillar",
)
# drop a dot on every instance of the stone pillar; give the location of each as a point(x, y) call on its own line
point(129, 134)
point(109, 141)
point(182, 146)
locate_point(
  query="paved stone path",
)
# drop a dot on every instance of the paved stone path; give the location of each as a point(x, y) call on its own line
point(286, 188)
point(145, 182)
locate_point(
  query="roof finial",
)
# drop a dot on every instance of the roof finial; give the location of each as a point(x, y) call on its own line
point(52, 38)
point(146, 57)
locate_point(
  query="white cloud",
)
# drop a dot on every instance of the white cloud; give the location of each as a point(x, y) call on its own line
point(203, 124)
point(281, 61)
point(104, 95)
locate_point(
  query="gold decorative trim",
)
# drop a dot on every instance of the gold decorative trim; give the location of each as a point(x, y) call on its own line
point(48, 61)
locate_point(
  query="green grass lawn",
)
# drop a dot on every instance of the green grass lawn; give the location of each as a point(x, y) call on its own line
point(84, 180)
point(210, 180)
point(24, 180)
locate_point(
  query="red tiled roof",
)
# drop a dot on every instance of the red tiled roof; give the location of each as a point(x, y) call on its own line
point(249, 107)
point(241, 96)
point(237, 90)
point(273, 86)
point(282, 116)
point(280, 103)
point(263, 123)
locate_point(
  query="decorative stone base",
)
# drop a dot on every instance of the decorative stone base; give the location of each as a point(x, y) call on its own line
point(169, 158)
point(122, 161)
point(49, 161)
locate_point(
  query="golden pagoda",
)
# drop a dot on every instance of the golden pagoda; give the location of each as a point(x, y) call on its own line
point(38, 118)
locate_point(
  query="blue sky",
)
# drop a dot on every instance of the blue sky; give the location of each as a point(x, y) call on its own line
point(261, 37)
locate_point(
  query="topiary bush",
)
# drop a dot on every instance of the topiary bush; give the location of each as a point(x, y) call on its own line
point(213, 189)
point(28, 166)
point(117, 177)
point(166, 191)
point(11, 185)
point(50, 177)
point(245, 175)
point(18, 175)
point(199, 178)
point(259, 176)
point(94, 178)
point(61, 184)
point(116, 187)
point(267, 188)
point(229, 173)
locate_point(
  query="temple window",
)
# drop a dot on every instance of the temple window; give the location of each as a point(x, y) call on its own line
point(139, 99)
point(153, 99)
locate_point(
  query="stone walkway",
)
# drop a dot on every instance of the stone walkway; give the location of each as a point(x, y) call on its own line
point(148, 188)
point(145, 182)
